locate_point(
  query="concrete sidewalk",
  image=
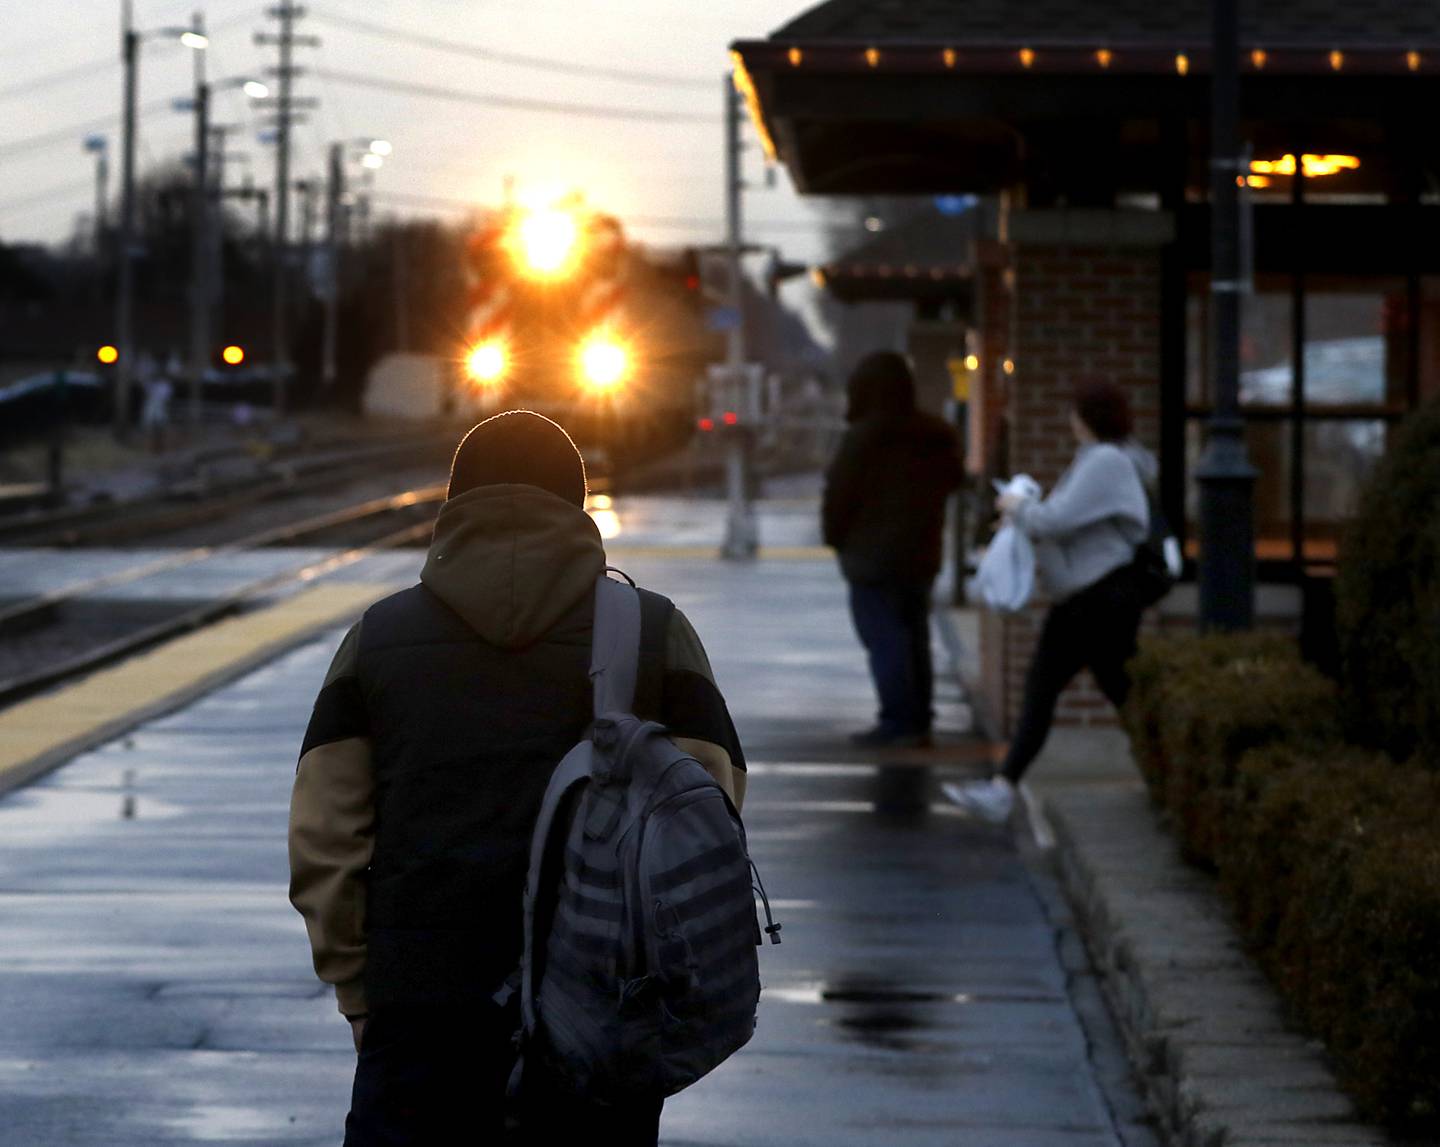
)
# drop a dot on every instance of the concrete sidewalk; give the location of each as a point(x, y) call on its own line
point(930, 990)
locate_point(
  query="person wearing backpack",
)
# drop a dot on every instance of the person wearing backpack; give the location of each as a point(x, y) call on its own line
point(1091, 536)
point(435, 735)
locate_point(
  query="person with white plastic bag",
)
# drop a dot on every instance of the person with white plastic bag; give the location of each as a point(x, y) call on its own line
point(1087, 535)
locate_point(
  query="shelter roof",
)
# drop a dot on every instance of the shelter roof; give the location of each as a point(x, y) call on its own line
point(1097, 23)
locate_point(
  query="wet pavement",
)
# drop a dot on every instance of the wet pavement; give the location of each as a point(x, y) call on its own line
point(155, 984)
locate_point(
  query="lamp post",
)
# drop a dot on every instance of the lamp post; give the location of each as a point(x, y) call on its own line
point(372, 154)
point(1225, 476)
point(201, 262)
point(130, 41)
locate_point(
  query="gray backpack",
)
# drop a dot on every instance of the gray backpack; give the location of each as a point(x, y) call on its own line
point(639, 973)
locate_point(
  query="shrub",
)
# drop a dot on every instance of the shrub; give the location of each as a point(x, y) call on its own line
point(1329, 853)
point(1387, 598)
point(1198, 704)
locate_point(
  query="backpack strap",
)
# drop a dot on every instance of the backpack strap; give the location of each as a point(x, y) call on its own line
point(655, 613)
point(615, 647)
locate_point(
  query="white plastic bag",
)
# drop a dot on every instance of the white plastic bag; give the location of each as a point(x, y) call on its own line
point(1005, 579)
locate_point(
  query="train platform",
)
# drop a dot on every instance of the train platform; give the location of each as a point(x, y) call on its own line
point(155, 983)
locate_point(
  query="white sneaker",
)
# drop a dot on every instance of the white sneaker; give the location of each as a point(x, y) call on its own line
point(991, 800)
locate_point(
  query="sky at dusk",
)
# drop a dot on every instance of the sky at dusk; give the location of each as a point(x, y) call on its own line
point(60, 80)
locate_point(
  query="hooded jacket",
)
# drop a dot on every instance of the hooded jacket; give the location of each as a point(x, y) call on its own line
point(885, 491)
point(442, 716)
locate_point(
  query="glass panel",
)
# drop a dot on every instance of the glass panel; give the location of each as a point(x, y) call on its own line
point(1269, 446)
point(1265, 342)
point(1349, 339)
point(1339, 456)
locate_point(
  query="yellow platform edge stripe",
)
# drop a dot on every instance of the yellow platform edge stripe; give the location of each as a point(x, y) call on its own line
point(45, 732)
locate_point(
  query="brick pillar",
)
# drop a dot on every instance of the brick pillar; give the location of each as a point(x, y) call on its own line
point(1086, 307)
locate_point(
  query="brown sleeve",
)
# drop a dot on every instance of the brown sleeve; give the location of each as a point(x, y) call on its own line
point(717, 763)
point(695, 712)
point(332, 821)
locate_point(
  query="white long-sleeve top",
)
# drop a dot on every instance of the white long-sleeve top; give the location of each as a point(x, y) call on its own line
point(1093, 520)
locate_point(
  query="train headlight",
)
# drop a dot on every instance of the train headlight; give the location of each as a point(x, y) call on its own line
point(486, 362)
point(547, 242)
point(604, 362)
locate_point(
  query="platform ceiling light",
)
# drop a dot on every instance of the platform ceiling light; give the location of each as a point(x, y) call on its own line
point(233, 355)
point(108, 355)
point(1008, 366)
point(949, 56)
point(795, 56)
point(1337, 60)
point(371, 161)
point(1104, 56)
point(1313, 166)
point(1412, 61)
point(195, 40)
point(382, 147)
point(1027, 57)
point(1258, 58)
point(604, 362)
point(1182, 64)
point(1257, 181)
point(255, 89)
point(486, 362)
point(872, 57)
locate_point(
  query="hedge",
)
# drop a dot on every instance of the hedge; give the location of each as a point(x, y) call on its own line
point(1328, 853)
point(1387, 597)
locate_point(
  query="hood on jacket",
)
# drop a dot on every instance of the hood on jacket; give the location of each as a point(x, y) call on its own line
point(1145, 462)
point(881, 384)
point(511, 560)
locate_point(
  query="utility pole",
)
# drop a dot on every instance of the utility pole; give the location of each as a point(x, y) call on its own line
point(399, 273)
point(125, 289)
point(286, 12)
point(334, 205)
point(1225, 475)
point(741, 541)
point(99, 147)
point(200, 238)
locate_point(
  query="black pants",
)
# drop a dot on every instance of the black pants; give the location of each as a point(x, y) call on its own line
point(436, 1077)
point(893, 621)
point(1096, 630)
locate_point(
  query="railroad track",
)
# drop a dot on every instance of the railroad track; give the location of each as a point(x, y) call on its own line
point(112, 522)
point(38, 612)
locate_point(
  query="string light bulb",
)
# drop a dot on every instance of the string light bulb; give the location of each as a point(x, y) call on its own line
point(1027, 57)
point(1259, 58)
point(872, 57)
point(1337, 60)
point(1103, 57)
point(1182, 64)
point(1412, 60)
point(948, 55)
point(795, 55)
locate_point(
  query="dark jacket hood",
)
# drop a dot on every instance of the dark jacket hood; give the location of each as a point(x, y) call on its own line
point(877, 393)
point(512, 560)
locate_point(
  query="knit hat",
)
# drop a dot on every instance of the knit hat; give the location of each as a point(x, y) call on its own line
point(522, 447)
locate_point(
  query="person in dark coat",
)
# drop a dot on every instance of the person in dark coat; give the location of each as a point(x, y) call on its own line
point(884, 513)
point(444, 712)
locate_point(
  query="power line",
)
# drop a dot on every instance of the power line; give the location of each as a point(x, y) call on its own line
point(63, 76)
point(517, 59)
point(76, 132)
point(13, 206)
point(673, 222)
point(485, 99)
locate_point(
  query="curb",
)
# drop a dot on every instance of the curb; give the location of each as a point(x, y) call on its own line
point(1204, 1029)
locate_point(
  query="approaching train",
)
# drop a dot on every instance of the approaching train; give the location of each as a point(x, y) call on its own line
point(569, 319)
